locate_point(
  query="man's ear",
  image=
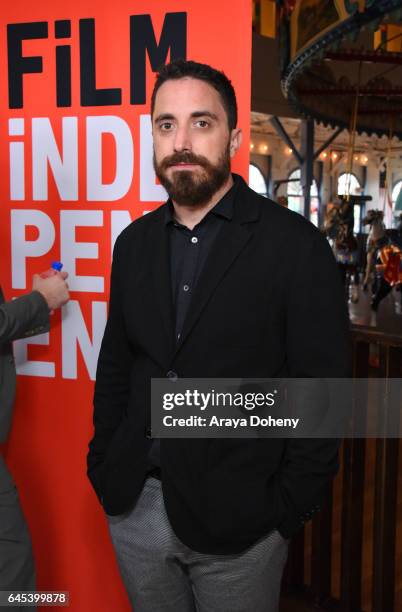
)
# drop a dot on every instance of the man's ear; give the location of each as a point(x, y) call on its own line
point(236, 138)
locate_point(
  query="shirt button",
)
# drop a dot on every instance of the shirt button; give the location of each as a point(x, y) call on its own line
point(186, 287)
point(172, 375)
point(194, 240)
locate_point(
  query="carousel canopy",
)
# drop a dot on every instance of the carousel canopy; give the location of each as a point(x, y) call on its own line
point(342, 62)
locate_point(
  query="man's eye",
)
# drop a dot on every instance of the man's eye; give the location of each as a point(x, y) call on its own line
point(166, 126)
point(202, 123)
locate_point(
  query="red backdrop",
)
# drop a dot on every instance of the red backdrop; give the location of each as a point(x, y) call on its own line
point(73, 172)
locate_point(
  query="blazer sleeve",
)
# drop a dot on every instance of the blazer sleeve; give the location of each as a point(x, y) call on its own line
point(318, 346)
point(112, 386)
point(25, 316)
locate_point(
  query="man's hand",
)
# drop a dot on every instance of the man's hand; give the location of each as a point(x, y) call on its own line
point(53, 288)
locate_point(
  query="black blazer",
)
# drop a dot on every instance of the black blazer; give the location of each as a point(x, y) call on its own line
point(268, 303)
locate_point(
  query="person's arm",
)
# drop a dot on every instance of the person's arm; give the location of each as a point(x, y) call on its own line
point(28, 315)
point(112, 376)
point(318, 346)
point(23, 317)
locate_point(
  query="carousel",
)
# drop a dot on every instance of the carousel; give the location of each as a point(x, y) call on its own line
point(341, 64)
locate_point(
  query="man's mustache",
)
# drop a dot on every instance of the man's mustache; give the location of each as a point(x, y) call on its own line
point(183, 158)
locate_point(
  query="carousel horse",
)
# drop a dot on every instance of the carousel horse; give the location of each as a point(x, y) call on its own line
point(338, 226)
point(390, 269)
point(384, 254)
point(377, 237)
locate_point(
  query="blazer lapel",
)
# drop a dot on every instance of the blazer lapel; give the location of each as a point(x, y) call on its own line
point(161, 276)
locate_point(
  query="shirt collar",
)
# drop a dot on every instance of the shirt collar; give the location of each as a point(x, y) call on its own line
point(223, 208)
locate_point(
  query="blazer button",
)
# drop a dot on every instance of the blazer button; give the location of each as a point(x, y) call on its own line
point(172, 375)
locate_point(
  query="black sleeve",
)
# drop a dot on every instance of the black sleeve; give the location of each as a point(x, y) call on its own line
point(112, 375)
point(318, 346)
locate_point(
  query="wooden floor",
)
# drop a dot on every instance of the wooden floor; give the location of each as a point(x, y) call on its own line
point(387, 319)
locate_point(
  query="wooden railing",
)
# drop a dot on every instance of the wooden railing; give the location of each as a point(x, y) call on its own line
point(365, 504)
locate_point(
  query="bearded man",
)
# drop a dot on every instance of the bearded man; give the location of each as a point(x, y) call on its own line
point(217, 282)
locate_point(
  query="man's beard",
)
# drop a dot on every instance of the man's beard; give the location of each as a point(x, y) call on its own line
point(188, 187)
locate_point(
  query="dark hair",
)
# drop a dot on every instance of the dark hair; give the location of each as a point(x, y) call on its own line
point(180, 68)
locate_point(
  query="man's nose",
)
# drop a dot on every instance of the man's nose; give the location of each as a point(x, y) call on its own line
point(182, 141)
